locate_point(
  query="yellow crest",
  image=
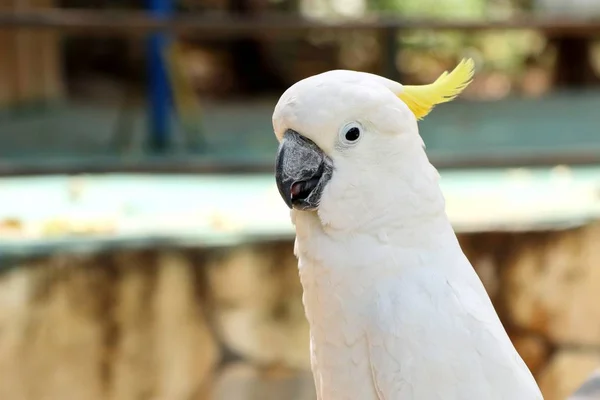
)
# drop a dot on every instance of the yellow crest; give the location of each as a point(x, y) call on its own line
point(421, 99)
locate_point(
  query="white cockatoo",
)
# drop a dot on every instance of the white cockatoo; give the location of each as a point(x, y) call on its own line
point(396, 311)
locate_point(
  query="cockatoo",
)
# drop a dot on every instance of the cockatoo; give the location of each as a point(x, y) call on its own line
point(395, 309)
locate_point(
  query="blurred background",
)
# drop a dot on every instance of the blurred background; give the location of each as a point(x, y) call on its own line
point(144, 250)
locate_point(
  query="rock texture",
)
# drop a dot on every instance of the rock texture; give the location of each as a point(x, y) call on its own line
point(567, 371)
point(228, 324)
point(550, 286)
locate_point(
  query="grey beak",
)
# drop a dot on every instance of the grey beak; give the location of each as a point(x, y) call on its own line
point(301, 170)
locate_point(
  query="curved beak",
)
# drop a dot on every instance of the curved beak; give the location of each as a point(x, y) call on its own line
point(301, 170)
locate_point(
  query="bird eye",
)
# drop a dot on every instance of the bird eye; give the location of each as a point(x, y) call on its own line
point(351, 133)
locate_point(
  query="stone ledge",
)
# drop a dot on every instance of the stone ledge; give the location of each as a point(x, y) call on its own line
point(228, 323)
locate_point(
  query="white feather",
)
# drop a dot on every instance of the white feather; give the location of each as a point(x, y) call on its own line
point(395, 309)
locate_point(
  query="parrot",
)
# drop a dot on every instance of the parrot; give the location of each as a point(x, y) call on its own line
point(395, 309)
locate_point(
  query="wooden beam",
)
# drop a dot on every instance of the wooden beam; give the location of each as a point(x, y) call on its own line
point(222, 25)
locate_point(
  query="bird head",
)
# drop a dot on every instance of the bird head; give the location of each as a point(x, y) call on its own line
point(349, 141)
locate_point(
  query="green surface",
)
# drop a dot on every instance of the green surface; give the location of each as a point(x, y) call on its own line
point(242, 131)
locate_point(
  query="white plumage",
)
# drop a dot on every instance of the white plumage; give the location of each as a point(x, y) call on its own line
point(396, 310)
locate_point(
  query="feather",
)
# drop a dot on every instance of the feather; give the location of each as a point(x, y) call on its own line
point(421, 99)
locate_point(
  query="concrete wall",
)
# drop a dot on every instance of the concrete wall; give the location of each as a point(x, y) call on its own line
point(229, 324)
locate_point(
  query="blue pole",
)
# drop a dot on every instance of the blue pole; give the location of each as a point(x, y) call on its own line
point(159, 92)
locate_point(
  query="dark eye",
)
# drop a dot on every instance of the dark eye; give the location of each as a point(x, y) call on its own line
point(352, 134)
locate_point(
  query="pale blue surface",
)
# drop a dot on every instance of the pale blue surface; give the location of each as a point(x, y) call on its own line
point(186, 210)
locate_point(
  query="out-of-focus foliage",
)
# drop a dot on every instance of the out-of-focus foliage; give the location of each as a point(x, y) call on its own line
point(502, 57)
point(432, 8)
point(505, 59)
